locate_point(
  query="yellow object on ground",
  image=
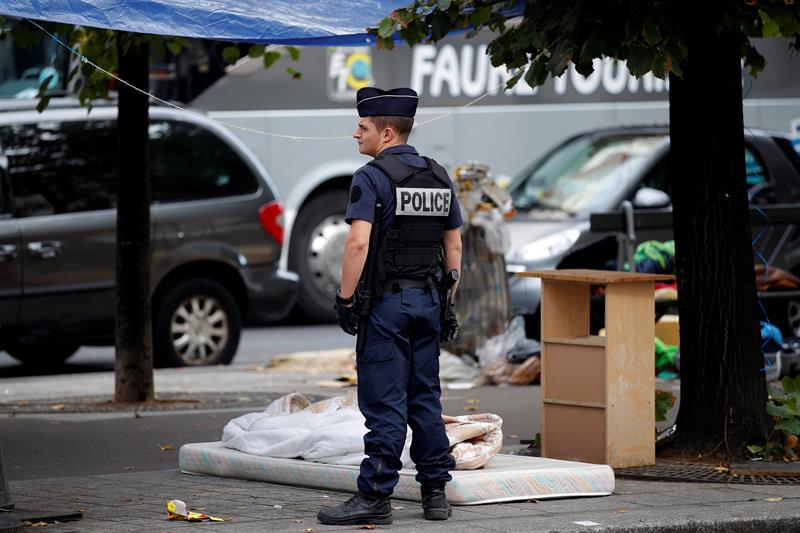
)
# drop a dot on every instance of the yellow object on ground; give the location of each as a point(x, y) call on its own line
point(176, 510)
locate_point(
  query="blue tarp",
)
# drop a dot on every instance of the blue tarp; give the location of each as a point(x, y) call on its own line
point(307, 22)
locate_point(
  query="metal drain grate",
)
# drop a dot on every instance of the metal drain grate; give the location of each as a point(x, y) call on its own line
point(703, 473)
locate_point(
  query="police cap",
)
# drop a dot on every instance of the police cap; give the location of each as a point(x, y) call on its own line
point(374, 102)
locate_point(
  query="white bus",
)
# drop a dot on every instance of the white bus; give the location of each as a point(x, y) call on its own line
point(505, 130)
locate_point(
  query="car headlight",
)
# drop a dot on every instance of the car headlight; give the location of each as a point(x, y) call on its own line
point(550, 246)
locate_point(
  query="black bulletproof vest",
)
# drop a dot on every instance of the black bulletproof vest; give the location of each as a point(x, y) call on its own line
point(411, 248)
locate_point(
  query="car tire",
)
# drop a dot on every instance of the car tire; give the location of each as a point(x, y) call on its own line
point(43, 355)
point(196, 323)
point(316, 253)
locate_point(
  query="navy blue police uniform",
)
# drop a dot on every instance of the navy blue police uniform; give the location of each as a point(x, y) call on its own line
point(398, 371)
point(398, 365)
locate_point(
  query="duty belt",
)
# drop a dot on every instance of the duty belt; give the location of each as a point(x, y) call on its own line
point(397, 284)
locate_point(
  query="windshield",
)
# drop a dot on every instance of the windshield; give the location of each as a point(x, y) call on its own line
point(23, 69)
point(585, 173)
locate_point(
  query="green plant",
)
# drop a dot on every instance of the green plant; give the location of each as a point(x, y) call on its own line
point(782, 406)
point(664, 402)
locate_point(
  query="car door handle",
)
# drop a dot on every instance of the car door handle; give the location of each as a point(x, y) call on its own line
point(44, 249)
point(8, 252)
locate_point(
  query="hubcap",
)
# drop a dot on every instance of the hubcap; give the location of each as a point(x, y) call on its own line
point(199, 329)
point(793, 316)
point(324, 254)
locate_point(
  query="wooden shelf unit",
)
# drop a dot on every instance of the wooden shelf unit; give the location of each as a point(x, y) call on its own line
point(598, 392)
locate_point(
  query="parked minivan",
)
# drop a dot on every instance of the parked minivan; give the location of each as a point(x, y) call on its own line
point(216, 235)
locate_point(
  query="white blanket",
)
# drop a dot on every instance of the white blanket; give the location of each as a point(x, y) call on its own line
point(332, 431)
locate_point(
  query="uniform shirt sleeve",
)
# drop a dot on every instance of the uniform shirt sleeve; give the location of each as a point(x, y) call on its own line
point(454, 220)
point(363, 195)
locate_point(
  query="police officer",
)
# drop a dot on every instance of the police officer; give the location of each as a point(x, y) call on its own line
point(398, 369)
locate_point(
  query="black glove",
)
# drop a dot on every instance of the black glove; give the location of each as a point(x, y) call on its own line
point(346, 313)
point(449, 328)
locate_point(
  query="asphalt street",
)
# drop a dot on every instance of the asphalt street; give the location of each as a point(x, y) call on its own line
point(61, 444)
point(257, 345)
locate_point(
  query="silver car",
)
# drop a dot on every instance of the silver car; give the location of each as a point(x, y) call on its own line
point(598, 170)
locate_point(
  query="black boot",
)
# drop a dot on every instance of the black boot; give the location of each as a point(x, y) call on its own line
point(434, 504)
point(360, 509)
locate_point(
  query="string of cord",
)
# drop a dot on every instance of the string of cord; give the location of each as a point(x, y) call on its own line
point(86, 60)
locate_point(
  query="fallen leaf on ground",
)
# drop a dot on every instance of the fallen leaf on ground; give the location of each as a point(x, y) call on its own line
point(774, 500)
point(127, 468)
point(513, 436)
point(309, 530)
point(397, 507)
point(167, 447)
point(298, 521)
point(470, 408)
point(622, 510)
point(473, 400)
point(58, 407)
point(722, 469)
point(137, 415)
point(369, 526)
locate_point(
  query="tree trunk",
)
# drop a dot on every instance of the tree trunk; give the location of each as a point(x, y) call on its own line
point(134, 357)
point(723, 390)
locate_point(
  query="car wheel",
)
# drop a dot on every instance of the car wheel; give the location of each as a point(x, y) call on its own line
point(316, 254)
point(792, 325)
point(197, 322)
point(44, 355)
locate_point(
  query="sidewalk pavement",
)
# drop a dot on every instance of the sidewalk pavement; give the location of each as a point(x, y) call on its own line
point(136, 501)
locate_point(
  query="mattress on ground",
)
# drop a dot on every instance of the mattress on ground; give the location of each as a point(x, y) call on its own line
point(505, 478)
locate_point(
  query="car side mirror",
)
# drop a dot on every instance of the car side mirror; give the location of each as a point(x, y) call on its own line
point(650, 198)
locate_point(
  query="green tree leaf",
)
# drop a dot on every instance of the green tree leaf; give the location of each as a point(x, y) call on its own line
point(386, 28)
point(257, 50)
point(295, 74)
point(231, 54)
point(44, 101)
point(755, 450)
point(651, 33)
point(789, 426)
point(514, 79)
point(537, 72)
point(444, 5)
point(174, 47)
point(791, 385)
point(270, 58)
point(664, 402)
point(640, 61)
point(294, 53)
point(781, 411)
point(770, 27)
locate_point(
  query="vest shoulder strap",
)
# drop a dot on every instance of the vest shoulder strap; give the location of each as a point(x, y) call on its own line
point(439, 172)
point(397, 171)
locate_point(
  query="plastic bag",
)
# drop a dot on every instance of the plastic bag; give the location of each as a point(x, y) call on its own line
point(493, 356)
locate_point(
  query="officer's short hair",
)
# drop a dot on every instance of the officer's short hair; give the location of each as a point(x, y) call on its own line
point(401, 125)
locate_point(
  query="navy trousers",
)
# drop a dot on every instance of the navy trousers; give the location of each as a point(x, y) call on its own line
point(398, 384)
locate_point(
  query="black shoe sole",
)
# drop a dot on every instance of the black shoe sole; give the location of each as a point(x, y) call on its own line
point(437, 514)
point(378, 520)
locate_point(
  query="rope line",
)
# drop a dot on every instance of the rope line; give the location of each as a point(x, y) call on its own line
point(86, 60)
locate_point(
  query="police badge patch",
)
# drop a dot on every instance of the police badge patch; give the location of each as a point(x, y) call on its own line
point(413, 201)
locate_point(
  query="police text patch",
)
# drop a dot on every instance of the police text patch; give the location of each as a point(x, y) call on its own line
point(423, 202)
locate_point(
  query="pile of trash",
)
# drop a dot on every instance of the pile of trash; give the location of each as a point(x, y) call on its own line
point(483, 303)
point(509, 358)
